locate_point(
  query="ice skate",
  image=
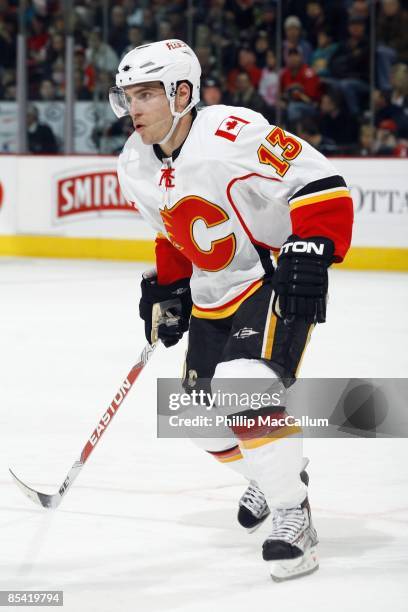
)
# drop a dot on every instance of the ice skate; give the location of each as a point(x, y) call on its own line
point(290, 549)
point(253, 508)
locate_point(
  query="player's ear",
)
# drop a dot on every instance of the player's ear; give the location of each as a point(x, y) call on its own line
point(183, 95)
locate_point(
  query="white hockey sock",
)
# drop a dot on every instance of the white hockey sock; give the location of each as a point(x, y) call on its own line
point(273, 460)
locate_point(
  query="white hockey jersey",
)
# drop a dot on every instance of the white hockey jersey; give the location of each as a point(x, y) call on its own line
point(238, 187)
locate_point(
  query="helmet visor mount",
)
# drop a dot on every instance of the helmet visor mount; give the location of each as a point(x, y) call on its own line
point(119, 102)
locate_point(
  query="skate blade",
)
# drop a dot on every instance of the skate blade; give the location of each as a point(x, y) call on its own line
point(287, 569)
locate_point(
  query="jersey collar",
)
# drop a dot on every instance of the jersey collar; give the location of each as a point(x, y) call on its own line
point(158, 151)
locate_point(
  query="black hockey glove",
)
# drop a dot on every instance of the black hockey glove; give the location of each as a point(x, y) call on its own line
point(301, 281)
point(169, 331)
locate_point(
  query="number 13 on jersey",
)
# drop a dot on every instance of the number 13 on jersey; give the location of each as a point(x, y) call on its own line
point(290, 150)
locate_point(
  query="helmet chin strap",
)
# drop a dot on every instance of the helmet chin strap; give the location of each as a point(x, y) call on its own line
point(176, 118)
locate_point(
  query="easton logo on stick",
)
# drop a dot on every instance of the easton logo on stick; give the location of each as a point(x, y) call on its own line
point(64, 486)
point(117, 400)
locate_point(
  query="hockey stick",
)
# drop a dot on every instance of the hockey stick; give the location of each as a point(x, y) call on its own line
point(53, 501)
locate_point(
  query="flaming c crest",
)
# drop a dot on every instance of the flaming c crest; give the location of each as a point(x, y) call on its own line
point(179, 221)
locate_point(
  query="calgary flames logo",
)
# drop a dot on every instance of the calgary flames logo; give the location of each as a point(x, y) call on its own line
point(179, 222)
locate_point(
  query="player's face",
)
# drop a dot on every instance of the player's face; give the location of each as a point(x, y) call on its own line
point(150, 111)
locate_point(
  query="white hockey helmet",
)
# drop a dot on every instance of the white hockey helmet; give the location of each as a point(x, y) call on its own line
point(167, 61)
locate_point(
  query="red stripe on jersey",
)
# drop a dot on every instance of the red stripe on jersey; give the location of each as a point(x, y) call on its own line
point(170, 263)
point(330, 218)
point(241, 220)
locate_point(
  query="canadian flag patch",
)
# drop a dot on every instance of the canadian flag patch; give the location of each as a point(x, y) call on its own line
point(230, 127)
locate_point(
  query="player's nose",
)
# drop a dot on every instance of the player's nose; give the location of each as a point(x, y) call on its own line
point(135, 110)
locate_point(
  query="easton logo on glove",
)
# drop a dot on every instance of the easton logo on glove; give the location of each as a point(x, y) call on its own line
point(301, 246)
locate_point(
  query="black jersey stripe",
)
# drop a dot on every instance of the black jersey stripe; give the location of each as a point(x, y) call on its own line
point(265, 257)
point(329, 182)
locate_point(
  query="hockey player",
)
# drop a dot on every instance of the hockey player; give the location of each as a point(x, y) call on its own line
point(224, 190)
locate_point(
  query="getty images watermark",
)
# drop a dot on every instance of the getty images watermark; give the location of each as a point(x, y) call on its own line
point(218, 410)
point(321, 408)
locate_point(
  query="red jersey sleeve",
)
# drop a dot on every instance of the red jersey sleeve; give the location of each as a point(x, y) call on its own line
point(171, 265)
point(324, 208)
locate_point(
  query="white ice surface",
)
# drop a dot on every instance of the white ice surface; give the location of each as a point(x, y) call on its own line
point(150, 524)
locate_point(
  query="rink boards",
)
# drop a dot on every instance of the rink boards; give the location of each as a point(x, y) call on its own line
point(71, 206)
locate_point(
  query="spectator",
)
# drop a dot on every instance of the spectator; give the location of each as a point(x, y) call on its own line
point(37, 40)
point(244, 13)
point(103, 83)
point(225, 49)
point(386, 141)
point(55, 49)
point(381, 142)
point(350, 64)
point(261, 48)
point(300, 87)
point(399, 84)
point(89, 14)
point(175, 16)
point(246, 94)
point(308, 129)
point(111, 138)
point(165, 31)
point(100, 55)
point(47, 90)
point(246, 63)
point(392, 28)
point(81, 91)
point(360, 8)
point(401, 150)
point(206, 60)
point(294, 40)
point(386, 110)
point(58, 77)
point(149, 25)
point(80, 30)
point(321, 57)
point(134, 13)
point(266, 22)
point(203, 35)
point(135, 38)
point(40, 137)
point(211, 92)
point(232, 37)
point(118, 29)
point(315, 21)
point(269, 83)
point(7, 42)
point(58, 25)
point(8, 84)
point(366, 144)
point(87, 70)
point(10, 92)
point(335, 122)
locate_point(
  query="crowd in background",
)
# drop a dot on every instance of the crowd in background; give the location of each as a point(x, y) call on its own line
point(321, 93)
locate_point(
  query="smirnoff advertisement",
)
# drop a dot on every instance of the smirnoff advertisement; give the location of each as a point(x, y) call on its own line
point(81, 194)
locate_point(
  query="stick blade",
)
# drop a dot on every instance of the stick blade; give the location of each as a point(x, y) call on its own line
point(42, 499)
